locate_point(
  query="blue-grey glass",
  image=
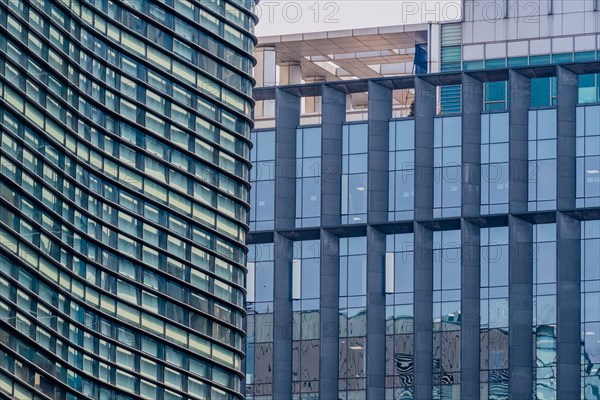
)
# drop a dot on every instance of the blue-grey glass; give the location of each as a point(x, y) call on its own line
point(265, 195)
point(590, 258)
point(357, 164)
point(592, 145)
point(405, 135)
point(312, 142)
point(452, 131)
point(311, 167)
point(450, 270)
point(403, 274)
point(451, 156)
point(263, 170)
point(265, 147)
point(498, 128)
point(358, 138)
point(451, 188)
point(499, 153)
point(592, 177)
point(357, 194)
point(592, 120)
point(404, 190)
point(546, 149)
point(498, 265)
point(405, 159)
point(546, 180)
point(310, 278)
point(357, 274)
point(343, 276)
point(545, 310)
point(311, 198)
point(546, 124)
point(591, 310)
point(264, 281)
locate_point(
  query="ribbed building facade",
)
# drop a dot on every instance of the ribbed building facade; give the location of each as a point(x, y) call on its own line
point(437, 256)
point(125, 142)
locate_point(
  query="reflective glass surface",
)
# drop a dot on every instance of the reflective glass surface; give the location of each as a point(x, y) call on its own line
point(494, 163)
point(542, 160)
point(262, 178)
point(308, 177)
point(447, 166)
point(590, 309)
point(353, 317)
point(544, 309)
point(402, 170)
point(588, 156)
point(306, 293)
point(125, 143)
point(354, 173)
point(399, 284)
point(494, 313)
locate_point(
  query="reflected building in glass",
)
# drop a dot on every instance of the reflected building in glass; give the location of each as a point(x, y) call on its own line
point(429, 255)
point(125, 131)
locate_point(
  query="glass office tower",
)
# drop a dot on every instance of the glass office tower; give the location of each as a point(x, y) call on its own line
point(452, 256)
point(125, 131)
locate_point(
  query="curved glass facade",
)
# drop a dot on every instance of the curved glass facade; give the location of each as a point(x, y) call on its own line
point(125, 131)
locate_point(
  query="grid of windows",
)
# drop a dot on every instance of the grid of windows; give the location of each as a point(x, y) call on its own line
point(494, 313)
point(399, 282)
point(494, 163)
point(402, 170)
point(590, 309)
point(447, 161)
point(262, 178)
point(305, 294)
point(308, 177)
point(588, 156)
point(354, 173)
point(542, 160)
point(446, 314)
point(482, 353)
point(353, 318)
point(125, 144)
point(259, 322)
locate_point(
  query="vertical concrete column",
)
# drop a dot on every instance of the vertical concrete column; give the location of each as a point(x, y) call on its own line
point(282, 317)
point(287, 118)
point(425, 96)
point(520, 308)
point(423, 311)
point(375, 313)
point(332, 118)
point(265, 73)
point(470, 304)
point(568, 235)
point(518, 115)
point(566, 111)
point(472, 106)
point(568, 259)
point(380, 113)
point(330, 323)
point(313, 104)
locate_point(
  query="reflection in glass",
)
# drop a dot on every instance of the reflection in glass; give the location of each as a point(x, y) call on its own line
point(305, 294)
point(401, 166)
point(542, 159)
point(354, 173)
point(447, 167)
point(544, 310)
point(353, 317)
point(590, 303)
